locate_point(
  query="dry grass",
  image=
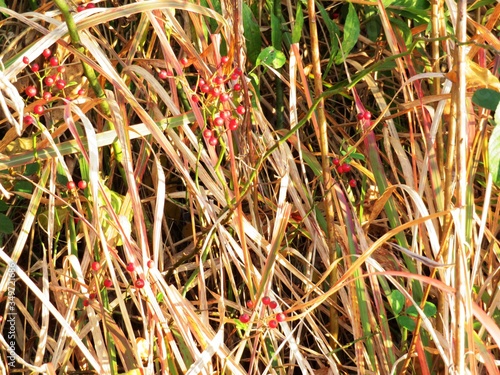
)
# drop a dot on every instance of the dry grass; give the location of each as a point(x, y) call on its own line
point(389, 268)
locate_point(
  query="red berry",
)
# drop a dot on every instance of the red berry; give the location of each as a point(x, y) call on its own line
point(272, 324)
point(361, 115)
point(234, 77)
point(38, 110)
point(80, 8)
point(218, 80)
point(218, 121)
point(250, 304)
point(71, 185)
point(151, 263)
point(280, 317)
point(108, 283)
point(54, 61)
point(244, 318)
point(90, 6)
point(130, 267)
point(224, 59)
point(82, 184)
point(347, 168)
point(367, 115)
point(49, 81)
point(204, 88)
point(163, 74)
point(224, 97)
point(60, 84)
point(31, 91)
point(61, 69)
point(139, 283)
point(233, 124)
point(81, 92)
point(86, 302)
point(46, 53)
point(201, 82)
point(184, 61)
point(35, 67)
point(273, 304)
point(207, 133)
point(195, 98)
point(26, 60)
point(224, 115)
point(237, 87)
point(213, 141)
point(96, 266)
point(352, 182)
point(47, 95)
point(241, 110)
point(92, 296)
point(266, 300)
point(215, 91)
point(336, 161)
point(28, 120)
point(238, 71)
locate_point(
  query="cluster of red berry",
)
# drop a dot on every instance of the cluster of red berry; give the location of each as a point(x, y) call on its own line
point(266, 301)
point(82, 7)
point(220, 97)
point(50, 79)
point(82, 185)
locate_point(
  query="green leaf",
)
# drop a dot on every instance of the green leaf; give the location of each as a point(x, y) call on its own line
point(271, 57)
point(24, 187)
point(494, 149)
point(429, 310)
point(31, 169)
point(6, 225)
point(351, 34)
point(252, 34)
point(298, 25)
point(406, 322)
point(397, 301)
point(486, 98)
point(3, 206)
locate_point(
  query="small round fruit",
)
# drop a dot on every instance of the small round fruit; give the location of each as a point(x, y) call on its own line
point(352, 182)
point(92, 296)
point(47, 95)
point(139, 283)
point(60, 84)
point(35, 67)
point(184, 61)
point(108, 283)
point(26, 60)
point(218, 80)
point(86, 302)
point(272, 323)
point(224, 59)
point(38, 110)
point(31, 91)
point(80, 8)
point(336, 161)
point(266, 300)
point(215, 92)
point(163, 74)
point(151, 263)
point(218, 121)
point(244, 318)
point(82, 184)
point(195, 99)
point(250, 304)
point(61, 69)
point(241, 110)
point(71, 185)
point(238, 71)
point(361, 115)
point(280, 317)
point(130, 267)
point(273, 304)
point(96, 266)
point(207, 133)
point(46, 53)
point(81, 92)
point(90, 6)
point(347, 168)
point(367, 115)
point(224, 114)
point(49, 81)
point(237, 87)
point(204, 88)
point(54, 61)
point(28, 120)
point(233, 124)
point(213, 141)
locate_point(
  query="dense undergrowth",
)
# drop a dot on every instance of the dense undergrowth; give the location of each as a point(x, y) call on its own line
point(249, 187)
